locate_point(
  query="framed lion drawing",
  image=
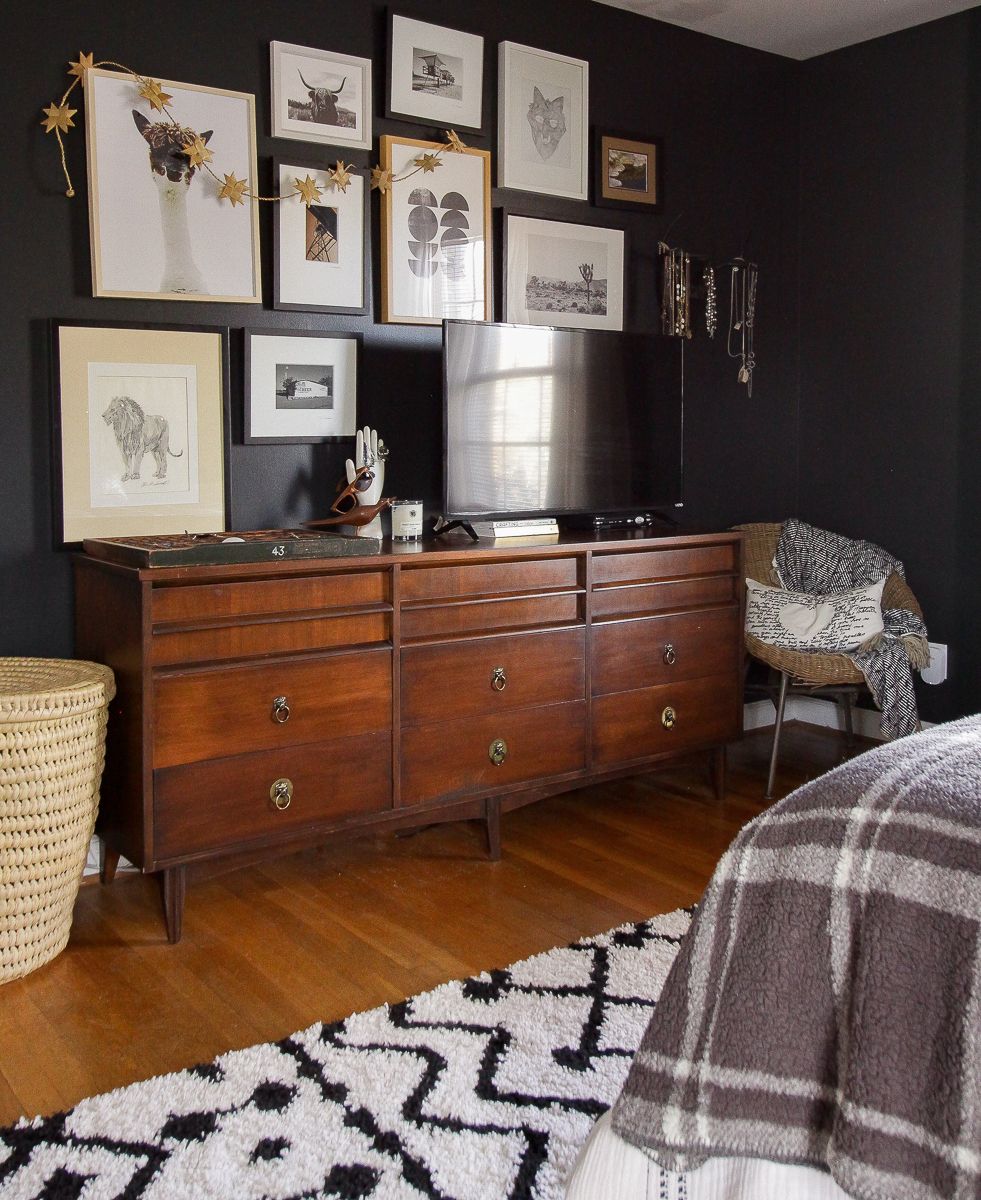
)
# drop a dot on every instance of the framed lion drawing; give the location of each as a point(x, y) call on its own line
point(140, 430)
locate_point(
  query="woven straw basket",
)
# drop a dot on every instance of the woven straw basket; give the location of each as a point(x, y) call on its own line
point(53, 717)
point(816, 670)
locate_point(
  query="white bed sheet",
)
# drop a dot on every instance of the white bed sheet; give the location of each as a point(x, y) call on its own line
point(608, 1168)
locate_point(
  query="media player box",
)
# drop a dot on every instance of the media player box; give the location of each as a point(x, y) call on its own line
point(612, 521)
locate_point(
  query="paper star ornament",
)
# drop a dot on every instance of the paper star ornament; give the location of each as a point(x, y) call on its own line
point(307, 190)
point(58, 116)
point(152, 91)
point(428, 162)
point(381, 178)
point(341, 175)
point(198, 152)
point(234, 189)
point(78, 68)
point(453, 142)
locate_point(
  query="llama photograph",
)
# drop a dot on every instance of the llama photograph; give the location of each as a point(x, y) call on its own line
point(320, 96)
point(140, 452)
point(159, 229)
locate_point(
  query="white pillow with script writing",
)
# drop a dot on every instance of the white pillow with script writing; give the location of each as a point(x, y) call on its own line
point(796, 621)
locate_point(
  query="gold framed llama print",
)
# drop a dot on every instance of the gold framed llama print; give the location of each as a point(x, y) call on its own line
point(159, 230)
point(139, 421)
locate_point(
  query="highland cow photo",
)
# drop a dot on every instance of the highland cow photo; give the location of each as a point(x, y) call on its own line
point(320, 96)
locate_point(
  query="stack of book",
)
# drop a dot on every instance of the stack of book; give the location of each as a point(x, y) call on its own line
point(521, 527)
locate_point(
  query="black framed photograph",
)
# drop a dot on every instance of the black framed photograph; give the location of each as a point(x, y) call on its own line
point(543, 122)
point(300, 386)
point(627, 171)
point(435, 75)
point(563, 275)
point(159, 229)
point(321, 250)
point(139, 429)
point(320, 96)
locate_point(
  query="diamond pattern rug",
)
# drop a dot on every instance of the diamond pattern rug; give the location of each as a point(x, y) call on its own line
point(483, 1088)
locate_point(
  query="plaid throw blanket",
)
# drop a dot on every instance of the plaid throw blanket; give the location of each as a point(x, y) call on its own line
point(825, 1005)
point(815, 561)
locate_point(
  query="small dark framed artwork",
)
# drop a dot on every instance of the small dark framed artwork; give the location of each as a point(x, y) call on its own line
point(627, 171)
point(435, 74)
point(300, 386)
point(140, 429)
point(321, 260)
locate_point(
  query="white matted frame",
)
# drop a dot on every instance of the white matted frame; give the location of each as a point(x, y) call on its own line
point(321, 260)
point(164, 234)
point(320, 96)
point(300, 387)
point(139, 421)
point(436, 236)
point(563, 275)
point(543, 122)
point(435, 75)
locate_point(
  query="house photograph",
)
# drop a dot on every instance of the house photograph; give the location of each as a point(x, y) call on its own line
point(490, 696)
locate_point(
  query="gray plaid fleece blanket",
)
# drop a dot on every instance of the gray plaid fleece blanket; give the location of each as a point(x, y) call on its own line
point(825, 1006)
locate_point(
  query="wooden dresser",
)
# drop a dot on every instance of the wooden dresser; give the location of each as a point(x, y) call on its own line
point(264, 707)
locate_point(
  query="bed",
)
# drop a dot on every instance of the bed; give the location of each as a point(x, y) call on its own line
point(819, 1035)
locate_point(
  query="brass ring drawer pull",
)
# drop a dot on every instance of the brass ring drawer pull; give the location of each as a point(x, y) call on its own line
point(281, 793)
point(498, 679)
point(497, 752)
point(280, 710)
point(669, 717)
point(669, 654)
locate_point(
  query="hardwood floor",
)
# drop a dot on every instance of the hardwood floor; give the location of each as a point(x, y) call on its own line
point(315, 936)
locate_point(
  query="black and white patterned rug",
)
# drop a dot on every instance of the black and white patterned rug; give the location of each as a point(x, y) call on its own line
point(477, 1090)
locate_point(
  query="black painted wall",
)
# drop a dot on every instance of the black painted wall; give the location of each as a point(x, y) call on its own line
point(890, 318)
point(729, 120)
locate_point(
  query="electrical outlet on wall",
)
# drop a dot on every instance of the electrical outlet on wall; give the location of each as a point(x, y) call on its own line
point(936, 672)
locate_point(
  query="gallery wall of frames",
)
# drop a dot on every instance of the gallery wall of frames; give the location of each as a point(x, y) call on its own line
point(253, 338)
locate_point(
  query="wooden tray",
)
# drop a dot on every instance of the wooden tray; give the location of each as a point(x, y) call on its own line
point(215, 549)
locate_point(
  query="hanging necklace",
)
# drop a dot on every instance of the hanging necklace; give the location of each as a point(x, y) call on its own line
point(675, 291)
point(742, 318)
point(711, 302)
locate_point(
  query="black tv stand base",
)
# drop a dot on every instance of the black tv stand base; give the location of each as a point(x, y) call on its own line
point(442, 527)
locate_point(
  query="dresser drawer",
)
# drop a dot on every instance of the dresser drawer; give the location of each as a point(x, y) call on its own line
point(453, 756)
point(654, 650)
point(492, 674)
point(246, 638)
point(230, 710)
point(636, 598)
point(628, 725)
point(256, 597)
point(226, 802)
point(664, 564)
point(481, 616)
point(484, 579)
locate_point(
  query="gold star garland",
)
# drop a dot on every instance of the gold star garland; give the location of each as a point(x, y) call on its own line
point(58, 120)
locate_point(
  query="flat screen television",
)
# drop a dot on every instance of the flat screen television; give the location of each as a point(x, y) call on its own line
point(541, 421)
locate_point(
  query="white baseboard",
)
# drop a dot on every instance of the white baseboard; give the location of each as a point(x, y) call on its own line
point(757, 714)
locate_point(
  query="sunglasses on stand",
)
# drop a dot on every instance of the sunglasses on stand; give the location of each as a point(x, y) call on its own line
point(348, 499)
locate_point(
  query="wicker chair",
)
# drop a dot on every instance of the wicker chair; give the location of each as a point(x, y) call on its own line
point(828, 675)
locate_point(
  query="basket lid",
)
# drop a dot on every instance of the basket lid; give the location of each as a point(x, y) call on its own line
point(37, 689)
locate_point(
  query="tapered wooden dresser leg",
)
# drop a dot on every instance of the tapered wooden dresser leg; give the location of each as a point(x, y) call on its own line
point(108, 861)
point(173, 901)
point(492, 815)
point(719, 772)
